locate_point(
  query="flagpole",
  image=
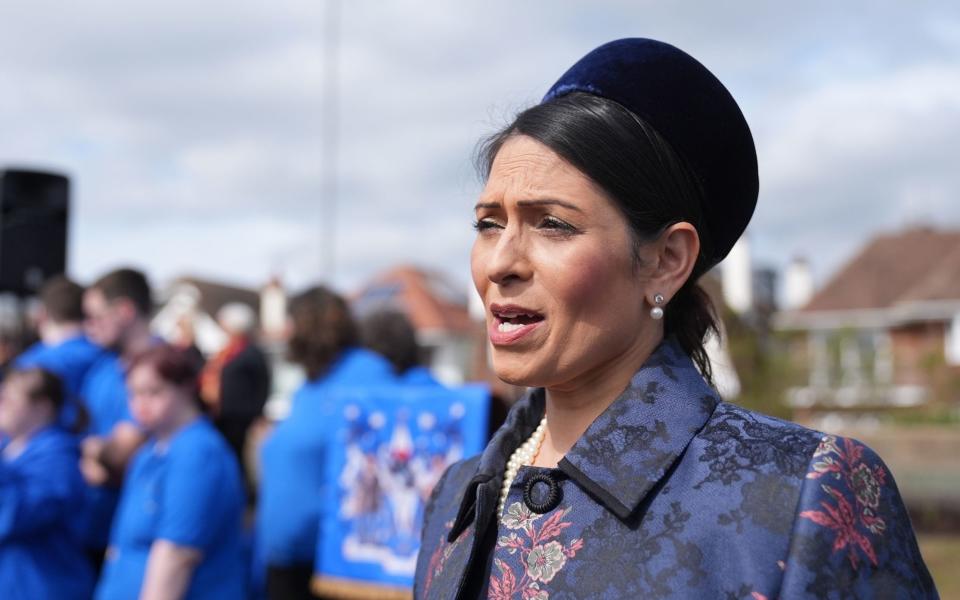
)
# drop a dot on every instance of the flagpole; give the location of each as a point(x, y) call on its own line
point(330, 138)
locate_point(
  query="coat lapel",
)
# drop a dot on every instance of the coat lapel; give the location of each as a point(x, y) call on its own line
point(633, 443)
point(620, 457)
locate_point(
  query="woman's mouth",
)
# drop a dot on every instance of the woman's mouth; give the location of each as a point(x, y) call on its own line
point(511, 323)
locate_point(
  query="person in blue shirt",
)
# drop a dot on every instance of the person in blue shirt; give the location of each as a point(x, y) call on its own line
point(63, 348)
point(117, 308)
point(177, 533)
point(40, 489)
point(390, 334)
point(293, 457)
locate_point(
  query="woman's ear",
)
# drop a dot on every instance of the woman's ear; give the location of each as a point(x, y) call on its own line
point(677, 251)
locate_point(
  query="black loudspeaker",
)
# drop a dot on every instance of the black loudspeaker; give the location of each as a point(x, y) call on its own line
point(34, 210)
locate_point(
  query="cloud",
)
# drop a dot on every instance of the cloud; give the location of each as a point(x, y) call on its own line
point(853, 156)
point(193, 131)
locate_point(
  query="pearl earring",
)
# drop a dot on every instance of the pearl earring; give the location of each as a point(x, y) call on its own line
point(656, 312)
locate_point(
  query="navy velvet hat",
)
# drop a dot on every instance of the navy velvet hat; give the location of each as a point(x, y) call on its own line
point(690, 108)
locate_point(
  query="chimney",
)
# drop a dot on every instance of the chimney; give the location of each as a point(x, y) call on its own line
point(273, 309)
point(737, 273)
point(475, 305)
point(797, 284)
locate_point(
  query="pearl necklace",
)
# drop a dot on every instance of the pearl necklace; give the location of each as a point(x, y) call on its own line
point(522, 456)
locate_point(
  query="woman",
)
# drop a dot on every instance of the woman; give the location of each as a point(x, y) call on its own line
point(177, 530)
point(389, 333)
point(41, 555)
point(324, 342)
point(623, 475)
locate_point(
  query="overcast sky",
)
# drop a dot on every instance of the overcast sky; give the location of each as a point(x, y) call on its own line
point(192, 130)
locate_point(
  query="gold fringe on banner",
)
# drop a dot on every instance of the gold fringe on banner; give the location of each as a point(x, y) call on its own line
point(336, 588)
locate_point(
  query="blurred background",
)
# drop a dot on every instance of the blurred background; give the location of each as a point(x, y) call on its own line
point(238, 152)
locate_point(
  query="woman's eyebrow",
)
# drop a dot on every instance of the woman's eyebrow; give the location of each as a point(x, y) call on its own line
point(531, 203)
point(548, 202)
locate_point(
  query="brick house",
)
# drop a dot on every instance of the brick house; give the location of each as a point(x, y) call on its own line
point(438, 311)
point(193, 303)
point(885, 329)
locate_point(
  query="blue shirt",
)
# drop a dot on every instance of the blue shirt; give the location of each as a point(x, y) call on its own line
point(672, 493)
point(40, 554)
point(294, 461)
point(71, 359)
point(420, 376)
point(188, 492)
point(104, 393)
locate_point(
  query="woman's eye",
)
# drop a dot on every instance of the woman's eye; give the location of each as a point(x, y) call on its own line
point(484, 224)
point(557, 224)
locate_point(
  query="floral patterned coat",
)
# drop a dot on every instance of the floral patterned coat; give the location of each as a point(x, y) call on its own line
point(673, 493)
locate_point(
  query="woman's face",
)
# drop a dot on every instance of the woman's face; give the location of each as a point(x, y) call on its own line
point(553, 263)
point(156, 404)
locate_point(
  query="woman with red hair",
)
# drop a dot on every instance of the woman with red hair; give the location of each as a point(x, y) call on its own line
point(177, 530)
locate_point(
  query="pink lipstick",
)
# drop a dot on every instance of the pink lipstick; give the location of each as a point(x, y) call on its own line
point(511, 323)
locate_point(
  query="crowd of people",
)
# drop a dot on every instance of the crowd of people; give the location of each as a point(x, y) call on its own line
point(122, 455)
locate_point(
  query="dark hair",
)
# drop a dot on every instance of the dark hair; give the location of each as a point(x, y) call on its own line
point(62, 299)
point(127, 283)
point(390, 334)
point(322, 329)
point(651, 184)
point(172, 365)
point(44, 385)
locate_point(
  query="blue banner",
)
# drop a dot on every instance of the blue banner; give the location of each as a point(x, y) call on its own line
point(392, 445)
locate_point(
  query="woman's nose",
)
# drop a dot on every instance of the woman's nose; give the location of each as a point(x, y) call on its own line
point(509, 261)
